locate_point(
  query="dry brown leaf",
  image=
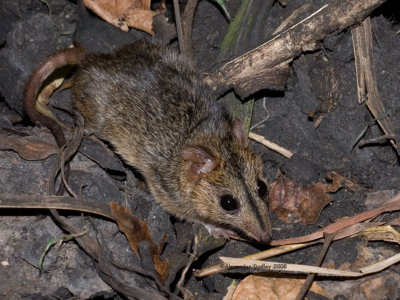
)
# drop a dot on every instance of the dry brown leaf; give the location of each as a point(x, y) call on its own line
point(28, 149)
point(338, 181)
point(125, 13)
point(230, 291)
point(289, 199)
point(161, 268)
point(141, 19)
point(374, 287)
point(383, 286)
point(136, 230)
point(255, 287)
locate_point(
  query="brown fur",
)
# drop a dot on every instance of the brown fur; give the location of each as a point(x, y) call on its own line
point(153, 107)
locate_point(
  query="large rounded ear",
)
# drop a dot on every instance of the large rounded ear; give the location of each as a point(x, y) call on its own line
point(197, 161)
point(239, 133)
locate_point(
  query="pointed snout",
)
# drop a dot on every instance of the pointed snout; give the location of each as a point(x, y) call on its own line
point(264, 237)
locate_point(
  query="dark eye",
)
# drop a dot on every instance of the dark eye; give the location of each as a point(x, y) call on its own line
point(261, 188)
point(228, 203)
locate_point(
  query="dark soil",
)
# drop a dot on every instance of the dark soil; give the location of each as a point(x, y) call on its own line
point(322, 83)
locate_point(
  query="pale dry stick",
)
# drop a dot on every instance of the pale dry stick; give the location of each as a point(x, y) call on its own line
point(319, 120)
point(256, 256)
point(280, 267)
point(381, 265)
point(267, 66)
point(270, 145)
point(367, 87)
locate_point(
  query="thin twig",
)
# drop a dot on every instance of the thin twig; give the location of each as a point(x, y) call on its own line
point(178, 23)
point(270, 145)
point(187, 24)
point(192, 257)
point(310, 277)
point(279, 267)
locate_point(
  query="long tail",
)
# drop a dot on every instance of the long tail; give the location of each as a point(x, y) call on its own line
point(59, 59)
